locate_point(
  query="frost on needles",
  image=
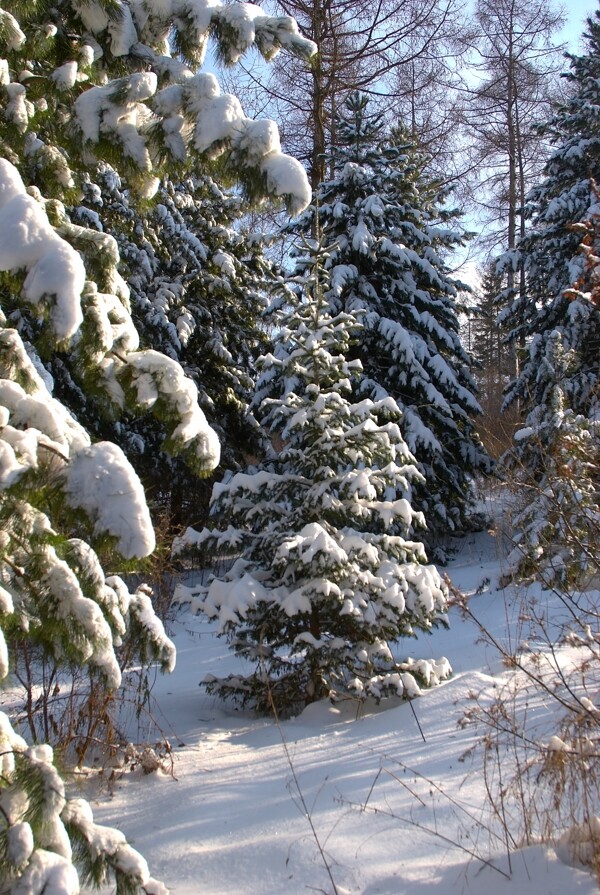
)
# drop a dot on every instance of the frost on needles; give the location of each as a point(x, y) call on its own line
point(318, 590)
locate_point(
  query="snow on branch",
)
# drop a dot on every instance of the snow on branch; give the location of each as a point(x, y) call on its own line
point(157, 378)
point(27, 240)
point(101, 481)
point(145, 121)
point(56, 274)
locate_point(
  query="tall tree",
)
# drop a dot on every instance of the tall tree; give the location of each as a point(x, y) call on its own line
point(386, 232)
point(325, 579)
point(198, 284)
point(376, 48)
point(562, 210)
point(82, 85)
point(555, 455)
point(495, 364)
point(518, 65)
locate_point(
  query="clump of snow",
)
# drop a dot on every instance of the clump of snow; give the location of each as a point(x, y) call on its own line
point(27, 240)
point(141, 608)
point(308, 543)
point(18, 109)
point(122, 30)
point(19, 843)
point(86, 55)
point(99, 113)
point(220, 121)
point(219, 117)
point(225, 262)
point(65, 77)
point(587, 703)
point(240, 17)
point(157, 376)
point(113, 323)
point(103, 840)
point(49, 420)
point(186, 324)
point(92, 14)
point(48, 874)
point(14, 37)
point(101, 481)
point(286, 177)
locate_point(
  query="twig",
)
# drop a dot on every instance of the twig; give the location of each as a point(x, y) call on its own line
point(415, 823)
point(303, 804)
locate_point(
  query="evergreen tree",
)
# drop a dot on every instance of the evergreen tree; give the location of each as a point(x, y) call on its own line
point(383, 223)
point(63, 500)
point(550, 250)
point(554, 458)
point(321, 587)
point(83, 85)
point(198, 283)
point(559, 524)
point(557, 329)
point(486, 336)
point(495, 361)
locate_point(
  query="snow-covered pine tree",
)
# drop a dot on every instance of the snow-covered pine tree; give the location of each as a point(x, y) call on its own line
point(83, 83)
point(198, 284)
point(157, 111)
point(59, 495)
point(559, 525)
point(550, 252)
point(320, 588)
point(387, 232)
point(118, 80)
point(555, 457)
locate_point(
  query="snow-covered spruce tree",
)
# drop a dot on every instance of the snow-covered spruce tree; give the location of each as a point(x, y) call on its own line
point(64, 500)
point(383, 222)
point(550, 252)
point(198, 284)
point(555, 457)
point(559, 526)
point(319, 588)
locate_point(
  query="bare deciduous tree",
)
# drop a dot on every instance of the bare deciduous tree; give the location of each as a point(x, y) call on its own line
point(517, 66)
point(392, 51)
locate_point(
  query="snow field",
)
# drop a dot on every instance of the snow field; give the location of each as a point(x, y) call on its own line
point(232, 821)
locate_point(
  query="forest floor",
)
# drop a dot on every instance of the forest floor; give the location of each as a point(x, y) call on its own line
point(372, 800)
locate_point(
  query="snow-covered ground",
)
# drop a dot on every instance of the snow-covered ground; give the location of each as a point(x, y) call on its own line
point(395, 793)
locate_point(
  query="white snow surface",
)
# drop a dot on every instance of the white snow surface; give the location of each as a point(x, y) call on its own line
point(230, 819)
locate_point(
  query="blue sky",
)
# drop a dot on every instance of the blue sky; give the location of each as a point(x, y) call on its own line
point(577, 13)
